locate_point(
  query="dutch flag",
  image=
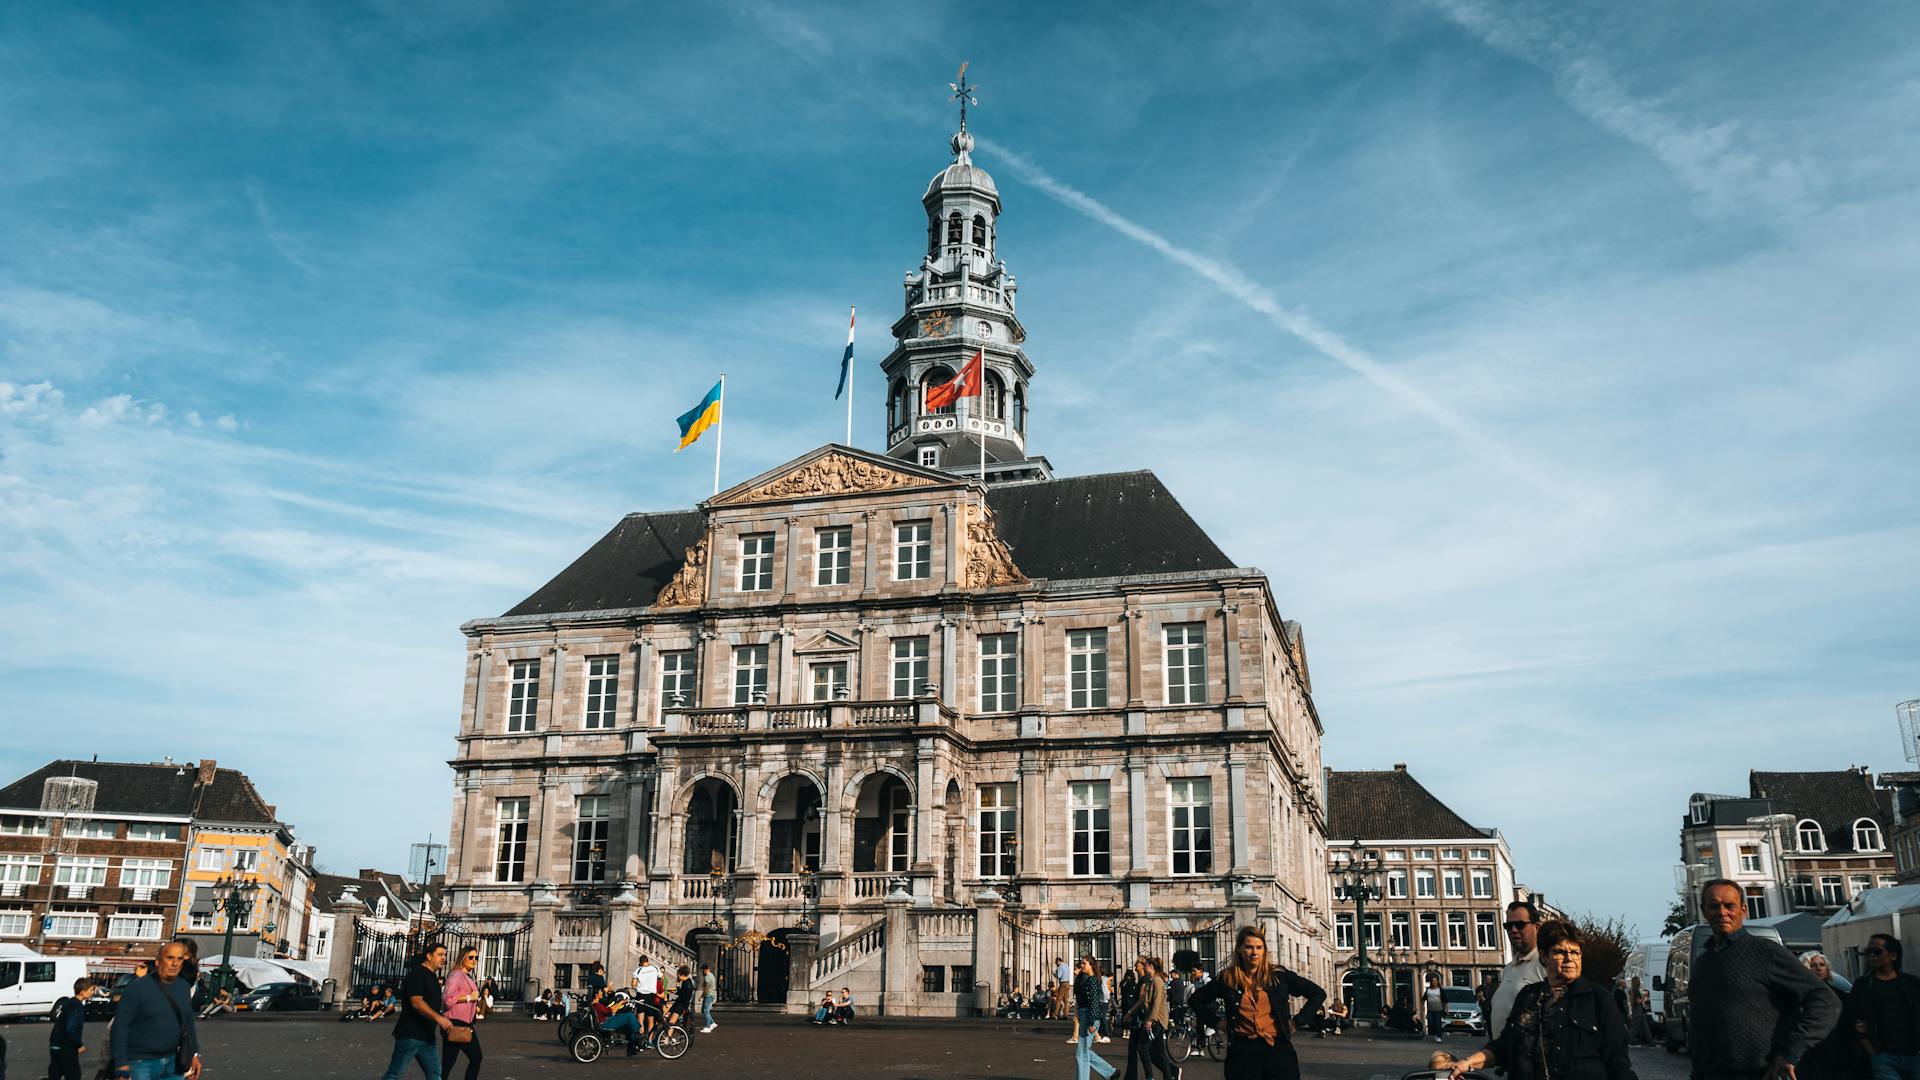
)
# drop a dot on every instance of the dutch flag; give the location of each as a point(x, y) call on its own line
point(846, 358)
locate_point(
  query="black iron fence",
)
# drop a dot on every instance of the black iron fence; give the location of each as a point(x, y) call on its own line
point(1029, 956)
point(384, 958)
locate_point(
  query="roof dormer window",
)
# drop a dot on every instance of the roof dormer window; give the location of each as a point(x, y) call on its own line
point(1811, 837)
point(1866, 835)
point(1697, 809)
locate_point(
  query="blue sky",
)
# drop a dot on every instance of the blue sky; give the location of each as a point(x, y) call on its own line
point(1556, 362)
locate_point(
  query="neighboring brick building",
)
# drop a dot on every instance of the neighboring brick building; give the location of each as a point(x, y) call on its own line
point(1444, 884)
point(1797, 841)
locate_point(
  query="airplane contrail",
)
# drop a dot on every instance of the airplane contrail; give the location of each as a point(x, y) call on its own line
point(1237, 285)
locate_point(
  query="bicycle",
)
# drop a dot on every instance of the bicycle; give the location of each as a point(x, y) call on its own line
point(671, 1042)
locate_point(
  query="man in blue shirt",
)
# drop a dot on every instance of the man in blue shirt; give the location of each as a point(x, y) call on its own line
point(155, 1021)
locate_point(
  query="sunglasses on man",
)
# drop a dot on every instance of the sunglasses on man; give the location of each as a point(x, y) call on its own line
point(1516, 926)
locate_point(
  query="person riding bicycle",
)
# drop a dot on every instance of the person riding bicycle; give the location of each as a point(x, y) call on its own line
point(682, 1006)
point(614, 1014)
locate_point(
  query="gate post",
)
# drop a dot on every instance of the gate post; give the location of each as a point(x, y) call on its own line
point(342, 943)
point(540, 950)
point(986, 948)
point(707, 943)
point(802, 947)
point(621, 947)
point(900, 990)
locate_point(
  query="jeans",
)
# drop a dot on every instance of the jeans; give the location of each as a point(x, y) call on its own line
point(1085, 1058)
point(706, 1010)
point(1896, 1067)
point(623, 1023)
point(153, 1069)
point(64, 1063)
point(1254, 1059)
point(425, 1051)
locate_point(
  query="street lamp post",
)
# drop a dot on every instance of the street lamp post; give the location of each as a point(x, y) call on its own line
point(235, 898)
point(720, 884)
point(1356, 878)
point(809, 892)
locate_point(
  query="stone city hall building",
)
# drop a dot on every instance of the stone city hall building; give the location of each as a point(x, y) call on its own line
point(882, 723)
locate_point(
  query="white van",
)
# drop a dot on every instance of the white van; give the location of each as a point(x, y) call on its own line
point(1649, 963)
point(30, 983)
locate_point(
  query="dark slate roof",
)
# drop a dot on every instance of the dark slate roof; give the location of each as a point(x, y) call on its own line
point(1110, 525)
point(1389, 805)
point(124, 788)
point(1834, 799)
point(232, 798)
point(627, 568)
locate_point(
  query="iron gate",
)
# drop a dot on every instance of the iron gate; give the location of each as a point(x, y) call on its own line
point(1029, 956)
point(754, 967)
point(383, 959)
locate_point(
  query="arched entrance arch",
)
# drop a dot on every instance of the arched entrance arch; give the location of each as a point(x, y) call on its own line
point(794, 833)
point(712, 838)
point(883, 825)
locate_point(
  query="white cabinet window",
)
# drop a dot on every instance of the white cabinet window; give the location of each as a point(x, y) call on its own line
point(146, 873)
point(523, 695)
point(147, 830)
point(1486, 933)
point(246, 861)
point(73, 924)
point(1833, 892)
point(999, 822)
point(590, 838)
point(510, 847)
point(212, 859)
point(1756, 902)
point(909, 666)
point(913, 550)
point(81, 870)
point(1402, 930)
point(134, 927)
point(1450, 853)
point(1811, 836)
point(1092, 836)
point(1343, 930)
point(1453, 884)
point(1456, 929)
point(1750, 858)
point(1423, 884)
point(833, 556)
point(1480, 853)
point(999, 672)
point(1396, 884)
point(1087, 669)
point(603, 690)
point(19, 869)
point(756, 562)
point(749, 673)
point(1186, 663)
point(1482, 883)
point(1372, 929)
point(91, 830)
point(1429, 929)
point(15, 923)
point(676, 680)
point(826, 678)
point(1866, 835)
point(1190, 808)
point(14, 825)
point(1423, 853)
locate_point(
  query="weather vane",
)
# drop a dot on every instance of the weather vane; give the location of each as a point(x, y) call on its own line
point(963, 93)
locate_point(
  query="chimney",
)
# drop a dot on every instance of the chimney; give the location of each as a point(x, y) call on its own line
point(1399, 766)
point(207, 767)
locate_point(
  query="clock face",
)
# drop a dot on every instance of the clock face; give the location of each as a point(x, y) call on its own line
point(985, 329)
point(938, 324)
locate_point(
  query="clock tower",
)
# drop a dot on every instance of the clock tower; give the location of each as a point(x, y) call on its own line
point(960, 301)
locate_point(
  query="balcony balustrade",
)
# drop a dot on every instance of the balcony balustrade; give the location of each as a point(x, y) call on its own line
point(838, 715)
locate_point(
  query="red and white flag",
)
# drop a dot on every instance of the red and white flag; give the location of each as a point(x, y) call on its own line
point(964, 385)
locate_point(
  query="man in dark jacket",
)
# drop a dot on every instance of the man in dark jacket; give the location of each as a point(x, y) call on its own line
point(1753, 1010)
point(66, 1042)
point(155, 1018)
point(1252, 993)
point(1884, 1009)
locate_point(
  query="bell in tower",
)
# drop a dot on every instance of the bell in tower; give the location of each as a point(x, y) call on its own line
point(959, 306)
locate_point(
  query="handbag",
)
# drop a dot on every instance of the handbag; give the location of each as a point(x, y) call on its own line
point(459, 1034)
point(183, 1054)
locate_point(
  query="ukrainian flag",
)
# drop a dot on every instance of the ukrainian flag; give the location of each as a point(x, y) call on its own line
point(701, 417)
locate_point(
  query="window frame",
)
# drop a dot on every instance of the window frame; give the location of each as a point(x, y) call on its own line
point(1478, 876)
point(1808, 828)
point(1458, 935)
point(1090, 824)
point(755, 573)
point(832, 565)
point(752, 671)
point(1084, 645)
point(999, 672)
point(1453, 883)
point(996, 820)
point(1400, 929)
point(600, 704)
point(156, 922)
point(1486, 930)
point(523, 695)
point(1429, 929)
point(902, 669)
point(137, 873)
point(677, 678)
point(913, 550)
point(67, 867)
point(1863, 828)
point(827, 666)
point(1426, 883)
point(1183, 662)
point(589, 830)
point(510, 839)
point(1190, 843)
point(15, 865)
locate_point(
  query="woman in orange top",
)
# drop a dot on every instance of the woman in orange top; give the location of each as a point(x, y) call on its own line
point(1253, 991)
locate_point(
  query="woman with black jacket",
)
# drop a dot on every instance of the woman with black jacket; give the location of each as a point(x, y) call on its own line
point(1252, 995)
point(1567, 1028)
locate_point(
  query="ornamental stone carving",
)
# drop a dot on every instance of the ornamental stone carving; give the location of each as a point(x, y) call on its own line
point(688, 587)
point(989, 560)
point(832, 474)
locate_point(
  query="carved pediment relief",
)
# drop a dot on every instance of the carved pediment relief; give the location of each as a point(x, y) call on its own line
point(688, 587)
point(828, 642)
point(829, 474)
point(989, 559)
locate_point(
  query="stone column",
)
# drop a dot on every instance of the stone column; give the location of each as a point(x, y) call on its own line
point(556, 701)
point(926, 805)
point(1138, 869)
point(1032, 859)
point(863, 680)
point(639, 800)
point(786, 688)
point(482, 667)
point(623, 912)
point(833, 807)
point(801, 949)
point(1230, 651)
point(662, 859)
point(540, 830)
point(951, 554)
point(1246, 905)
point(346, 913)
point(544, 907)
point(707, 943)
point(875, 538)
point(642, 680)
point(710, 670)
point(900, 988)
point(986, 945)
point(1238, 825)
point(950, 662)
point(1131, 628)
point(791, 582)
point(457, 853)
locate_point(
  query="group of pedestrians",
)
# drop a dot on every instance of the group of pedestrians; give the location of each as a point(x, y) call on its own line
point(434, 1026)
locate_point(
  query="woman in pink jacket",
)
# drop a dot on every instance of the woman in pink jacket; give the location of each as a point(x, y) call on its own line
point(462, 994)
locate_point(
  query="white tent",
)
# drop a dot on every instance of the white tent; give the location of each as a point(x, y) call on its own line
point(314, 970)
point(1873, 911)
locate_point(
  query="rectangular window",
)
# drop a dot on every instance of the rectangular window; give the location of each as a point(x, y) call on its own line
point(73, 924)
point(14, 825)
point(146, 873)
point(1186, 662)
point(19, 869)
point(1092, 838)
point(1750, 858)
point(1423, 884)
point(1803, 890)
point(930, 456)
point(999, 820)
point(909, 666)
point(1394, 855)
point(1482, 883)
point(16, 923)
point(826, 678)
point(200, 914)
point(590, 838)
point(246, 861)
point(1486, 932)
point(1429, 929)
point(1832, 891)
point(676, 680)
point(91, 830)
point(1456, 929)
point(603, 690)
point(749, 674)
point(1450, 853)
point(134, 927)
point(1190, 805)
point(81, 870)
point(1373, 929)
point(999, 672)
point(146, 830)
point(1859, 883)
point(913, 551)
point(523, 695)
point(1422, 853)
point(1453, 884)
point(1480, 853)
point(933, 979)
point(756, 562)
point(1343, 930)
point(833, 556)
point(510, 848)
point(1756, 902)
point(1396, 884)
point(1402, 928)
point(1087, 669)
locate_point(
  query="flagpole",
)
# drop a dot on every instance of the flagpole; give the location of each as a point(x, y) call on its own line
point(982, 422)
point(719, 433)
point(850, 314)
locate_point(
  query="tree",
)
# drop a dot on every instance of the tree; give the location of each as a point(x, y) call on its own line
point(1608, 944)
point(1676, 919)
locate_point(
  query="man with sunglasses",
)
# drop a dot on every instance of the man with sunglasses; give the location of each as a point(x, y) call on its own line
point(1885, 1010)
point(1523, 935)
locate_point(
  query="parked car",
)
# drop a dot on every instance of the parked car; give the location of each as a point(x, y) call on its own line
point(30, 983)
point(1463, 1011)
point(278, 997)
point(1683, 951)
